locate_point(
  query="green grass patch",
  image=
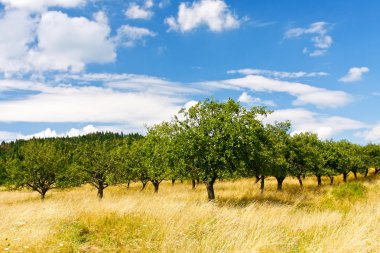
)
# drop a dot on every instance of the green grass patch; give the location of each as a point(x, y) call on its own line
point(350, 191)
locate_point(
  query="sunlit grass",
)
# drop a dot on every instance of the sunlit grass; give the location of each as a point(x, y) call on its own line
point(342, 218)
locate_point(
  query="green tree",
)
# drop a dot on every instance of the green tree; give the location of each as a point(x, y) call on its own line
point(345, 153)
point(331, 156)
point(136, 163)
point(279, 151)
point(372, 155)
point(3, 175)
point(157, 154)
point(211, 132)
point(95, 165)
point(305, 157)
point(40, 165)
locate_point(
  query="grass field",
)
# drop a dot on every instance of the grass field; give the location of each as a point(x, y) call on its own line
point(343, 218)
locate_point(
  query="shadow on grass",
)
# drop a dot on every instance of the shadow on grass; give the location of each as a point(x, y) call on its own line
point(247, 200)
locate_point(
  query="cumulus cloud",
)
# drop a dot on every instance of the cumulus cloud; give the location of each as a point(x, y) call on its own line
point(16, 29)
point(53, 41)
point(372, 135)
point(130, 35)
point(307, 121)
point(214, 14)
point(89, 104)
point(354, 74)
point(49, 133)
point(245, 98)
point(39, 5)
point(277, 74)
point(69, 43)
point(319, 37)
point(305, 94)
point(135, 11)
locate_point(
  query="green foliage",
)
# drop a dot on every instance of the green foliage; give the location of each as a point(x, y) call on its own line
point(40, 165)
point(213, 134)
point(95, 163)
point(209, 141)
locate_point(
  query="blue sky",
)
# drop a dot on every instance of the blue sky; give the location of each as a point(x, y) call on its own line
point(70, 67)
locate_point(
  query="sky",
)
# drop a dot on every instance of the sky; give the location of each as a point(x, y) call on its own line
point(72, 67)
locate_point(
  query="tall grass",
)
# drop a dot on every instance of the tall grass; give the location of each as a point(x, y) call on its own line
point(343, 218)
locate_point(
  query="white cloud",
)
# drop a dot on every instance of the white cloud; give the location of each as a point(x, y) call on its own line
point(39, 5)
point(136, 11)
point(49, 133)
point(215, 14)
point(371, 135)
point(130, 35)
point(248, 99)
point(305, 94)
point(90, 104)
point(320, 39)
point(69, 43)
point(354, 74)
point(16, 29)
point(132, 82)
point(53, 41)
point(10, 136)
point(307, 121)
point(277, 74)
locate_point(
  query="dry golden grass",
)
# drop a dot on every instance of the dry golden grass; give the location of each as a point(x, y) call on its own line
point(179, 219)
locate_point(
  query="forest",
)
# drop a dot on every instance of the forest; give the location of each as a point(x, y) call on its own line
point(208, 142)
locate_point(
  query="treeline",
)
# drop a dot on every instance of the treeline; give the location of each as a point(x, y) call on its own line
point(206, 142)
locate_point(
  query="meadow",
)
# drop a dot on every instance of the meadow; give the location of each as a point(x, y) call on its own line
point(339, 218)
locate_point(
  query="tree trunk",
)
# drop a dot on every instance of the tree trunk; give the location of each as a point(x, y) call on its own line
point(300, 181)
point(144, 183)
point(345, 177)
point(210, 189)
point(377, 171)
point(319, 180)
point(366, 173)
point(280, 180)
point(156, 184)
point(100, 191)
point(331, 180)
point(173, 181)
point(197, 180)
point(355, 175)
point(262, 182)
point(257, 179)
point(193, 184)
point(42, 194)
point(181, 181)
point(129, 182)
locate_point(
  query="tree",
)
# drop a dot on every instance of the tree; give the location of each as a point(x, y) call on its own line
point(372, 154)
point(136, 164)
point(345, 154)
point(94, 164)
point(358, 163)
point(279, 151)
point(331, 157)
point(211, 132)
point(157, 154)
point(305, 157)
point(254, 145)
point(3, 175)
point(40, 165)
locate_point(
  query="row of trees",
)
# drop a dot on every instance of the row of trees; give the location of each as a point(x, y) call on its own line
point(206, 142)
